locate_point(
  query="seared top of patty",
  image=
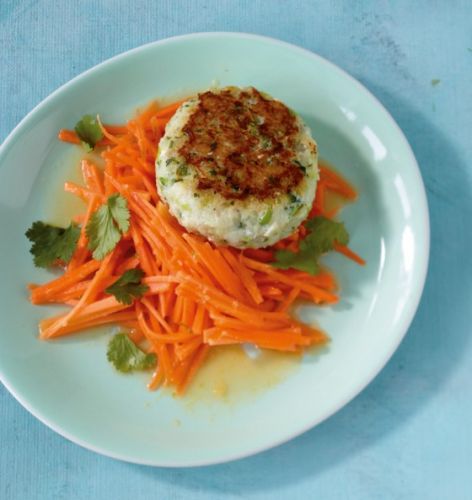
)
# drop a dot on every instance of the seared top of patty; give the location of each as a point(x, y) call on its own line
point(242, 144)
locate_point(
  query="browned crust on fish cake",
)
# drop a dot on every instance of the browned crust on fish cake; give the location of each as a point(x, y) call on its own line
point(242, 145)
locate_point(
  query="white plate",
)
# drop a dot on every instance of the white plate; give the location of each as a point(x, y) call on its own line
point(70, 386)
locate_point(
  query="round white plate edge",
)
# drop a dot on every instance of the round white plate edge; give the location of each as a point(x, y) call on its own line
point(407, 317)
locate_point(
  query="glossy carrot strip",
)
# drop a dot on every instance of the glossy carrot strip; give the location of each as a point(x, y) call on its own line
point(156, 380)
point(317, 337)
point(82, 192)
point(169, 110)
point(209, 295)
point(289, 300)
point(155, 313)
point(135, 334)
point(336, 183)
point(165, 362)
point(46, 291)
point(186, 349)
point(188, 312)
point(73, 292)
point(158, 124)
point(157, 288)
point(70, 136)
point(97, 284)
point(115, 129)
point(244, 274)
point(279, 341)
point(270, 291)
point(81, 252)
point(258, 320)
point(79, 326)
point(156, 337)
point(92, 314)
point(347, 252)
point(92, 177)
point(198, 320)
point(129, 263)
point(217, 266)
point(317, 294)
point(323, 279)
point(195, 365)
point(177, 311)
point(259, 254)
point(152, 109)
point(143, 254)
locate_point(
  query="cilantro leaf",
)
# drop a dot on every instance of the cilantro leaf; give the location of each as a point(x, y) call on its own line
point(51, 243)
point(128, 286)
point(126, 357)
point(106, 226)
point(89, 131)
point(303, 260)
point(323, 233)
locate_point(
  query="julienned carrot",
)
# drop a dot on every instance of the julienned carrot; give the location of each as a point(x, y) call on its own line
point(82, 192)
point(260, 254)
point(156, 337)
point(318, 294)
point(95, 313)
point(198, 295)
point(283, 340)
point(97, 284)
point(245, 275)
point(197, 361)
point(168, 110)
point(92, 177)
point(185, 349)
point(157, 379)
point(350, 254)
point(217, 266)
point(65, 135)
point(335, 182)
point(289, 299)
point(115, 129)
point(62, 283)
point(81, 252)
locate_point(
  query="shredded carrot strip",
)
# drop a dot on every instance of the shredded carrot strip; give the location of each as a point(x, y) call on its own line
point(335, 182)
point(169, 110)
point(346, 251)
point(65, 135)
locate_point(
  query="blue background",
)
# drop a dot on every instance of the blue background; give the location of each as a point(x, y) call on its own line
point(409, 434)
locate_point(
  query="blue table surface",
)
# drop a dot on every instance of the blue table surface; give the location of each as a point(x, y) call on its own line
point(409, 434)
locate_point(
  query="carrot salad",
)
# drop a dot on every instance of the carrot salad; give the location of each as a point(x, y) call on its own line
point(189, 295)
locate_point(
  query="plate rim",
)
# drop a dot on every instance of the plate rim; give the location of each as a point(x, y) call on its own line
point(407, 315)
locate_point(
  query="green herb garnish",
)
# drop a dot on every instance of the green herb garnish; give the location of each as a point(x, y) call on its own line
point(126, 357)
point(323, 234)
point(128, 286)
point(107, 225)
point(52, 243)
point(89, 131)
